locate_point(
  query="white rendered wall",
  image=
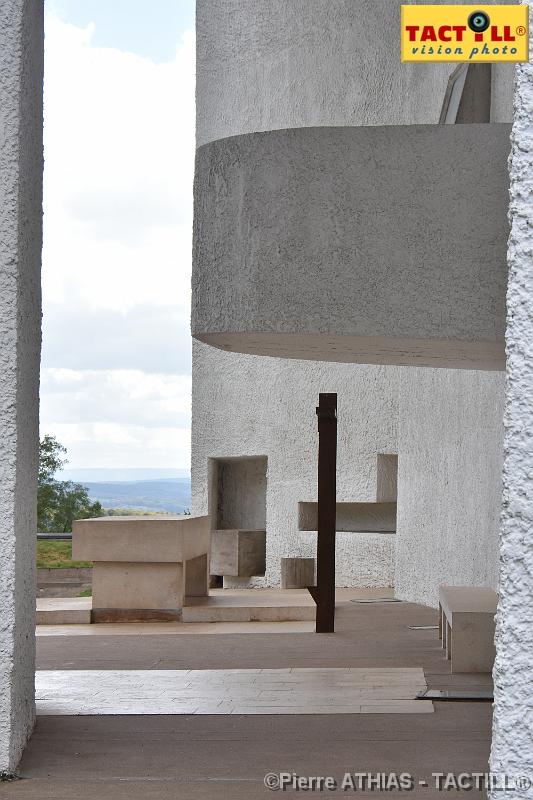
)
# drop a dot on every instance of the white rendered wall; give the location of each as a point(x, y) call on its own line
point(295, 63)
point(21, 69)
point(449, 480)
point(512, 742)
point(292, 63)
point(252, 406)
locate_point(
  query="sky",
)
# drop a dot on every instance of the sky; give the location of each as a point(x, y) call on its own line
point(119, 158)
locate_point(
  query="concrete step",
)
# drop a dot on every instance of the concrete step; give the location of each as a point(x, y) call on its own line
point(217, 613)
point(222, 605)
point(63, 610)
point(77, 610)
point(255, 605)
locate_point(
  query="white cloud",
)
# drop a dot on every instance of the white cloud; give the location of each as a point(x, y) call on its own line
point(119, 148)
point(128, 397)
point(148, 338)
point(107, 445)
point(119, 157)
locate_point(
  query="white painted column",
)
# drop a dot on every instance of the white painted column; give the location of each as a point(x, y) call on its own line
point(21, 74)
point(512, 745)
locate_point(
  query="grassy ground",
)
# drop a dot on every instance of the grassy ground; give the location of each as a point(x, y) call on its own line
point(57, 554)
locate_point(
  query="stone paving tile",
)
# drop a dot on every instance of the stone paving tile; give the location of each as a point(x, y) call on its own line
point(405, 707)
point(255, 691)
point(205, 756)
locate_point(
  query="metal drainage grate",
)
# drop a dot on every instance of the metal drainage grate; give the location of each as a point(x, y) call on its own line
point(423, 627)
point(377, 600)
point(458, 695)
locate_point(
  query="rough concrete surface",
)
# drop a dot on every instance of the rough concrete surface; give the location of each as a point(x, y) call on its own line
point(277, 64)
point(445, 425)
point(21, 69)
point(385, 234)
point(449, 481)
point(283, 65)
point(512, 746)
point(249, 406)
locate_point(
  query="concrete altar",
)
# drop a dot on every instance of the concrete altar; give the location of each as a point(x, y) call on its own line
point(144, 567)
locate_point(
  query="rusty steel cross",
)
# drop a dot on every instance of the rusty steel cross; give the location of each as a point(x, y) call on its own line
point(324, 592)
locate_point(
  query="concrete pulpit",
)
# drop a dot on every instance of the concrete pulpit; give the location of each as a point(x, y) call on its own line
point(144, 567)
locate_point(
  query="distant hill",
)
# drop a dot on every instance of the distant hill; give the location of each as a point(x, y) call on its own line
point(164, 494)
point(129, 474)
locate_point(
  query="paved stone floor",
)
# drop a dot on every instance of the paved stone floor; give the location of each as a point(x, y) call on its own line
point(244, 691)
point(159, 757)
point(173, 628)
point(222, 606)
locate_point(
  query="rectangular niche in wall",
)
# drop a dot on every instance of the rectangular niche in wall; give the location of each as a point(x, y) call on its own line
point(237, 506)
point(239, 489)
point(357, 517)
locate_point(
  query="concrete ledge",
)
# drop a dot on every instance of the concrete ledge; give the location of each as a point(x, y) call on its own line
point(148, 539)
point(232, 607)
point(379, 350)
point(352, 517)
point(63, 611)
point(364, 244)
point(221, 606)
point(135, 615)
point(251, 605)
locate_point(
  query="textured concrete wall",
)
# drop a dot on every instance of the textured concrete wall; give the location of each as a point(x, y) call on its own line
point(296, 63)
point(501, 104)
point(445, 425)
point(21, 69)
point(449, 481)
point(250, 62)
point(512, 745)
point(254, 406)
point(393, 235)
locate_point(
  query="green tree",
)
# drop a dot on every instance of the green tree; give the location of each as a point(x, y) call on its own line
point(59, 503)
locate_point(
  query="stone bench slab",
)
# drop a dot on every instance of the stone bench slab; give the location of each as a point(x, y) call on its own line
point(466, 627)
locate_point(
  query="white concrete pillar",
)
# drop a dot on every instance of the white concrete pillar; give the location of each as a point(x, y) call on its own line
point(512, 745)
point(21, 75)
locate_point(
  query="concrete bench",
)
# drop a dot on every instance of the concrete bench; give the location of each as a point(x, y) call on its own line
point(466, 627)
point(144, 568)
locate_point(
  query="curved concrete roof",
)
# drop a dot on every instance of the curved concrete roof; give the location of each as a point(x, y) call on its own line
point(365, 244)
